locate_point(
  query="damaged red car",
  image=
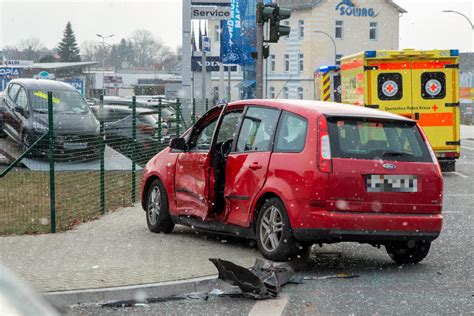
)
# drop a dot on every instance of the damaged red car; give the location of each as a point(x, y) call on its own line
point(293, 173)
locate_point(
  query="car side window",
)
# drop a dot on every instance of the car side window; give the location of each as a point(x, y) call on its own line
point(22, 99)
point(257, 129)
point(204, 137)
point(291, 133)
point(13, 91)
point(229, 126)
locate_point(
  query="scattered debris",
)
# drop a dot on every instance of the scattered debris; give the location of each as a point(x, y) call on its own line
point(263, 280)
point(335, 276)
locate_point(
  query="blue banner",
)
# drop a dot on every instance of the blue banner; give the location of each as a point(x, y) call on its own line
point(238, 37)
point(78, 84)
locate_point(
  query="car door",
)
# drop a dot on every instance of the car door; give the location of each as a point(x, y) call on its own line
point(13, 118)
point(247, 164)
point(193, 168)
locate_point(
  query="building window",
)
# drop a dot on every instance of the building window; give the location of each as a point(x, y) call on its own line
point(338, 59)
point(339, 29)
point(300, 93)
point(300, 28)
point(373, 31)
point(285, 93)
point(300, 62)
point(286, 59)
point(287, 23)
point(272, 63)
point(272, 93)
point(217, 33)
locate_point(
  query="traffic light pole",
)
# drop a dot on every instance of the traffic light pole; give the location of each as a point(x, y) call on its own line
point(259, 68)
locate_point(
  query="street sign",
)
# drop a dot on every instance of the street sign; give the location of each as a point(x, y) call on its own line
point(210, 12)
point(212, 64)
point(211, 2)
point(206, 44)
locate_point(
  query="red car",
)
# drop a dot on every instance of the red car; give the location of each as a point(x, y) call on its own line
point(293, 173)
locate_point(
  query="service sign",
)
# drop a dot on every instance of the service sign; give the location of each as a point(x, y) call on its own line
point(210, 2)
point(210, 12)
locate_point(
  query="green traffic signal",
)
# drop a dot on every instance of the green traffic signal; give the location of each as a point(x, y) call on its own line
point(277, 30)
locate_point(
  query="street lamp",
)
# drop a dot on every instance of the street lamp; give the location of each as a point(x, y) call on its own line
point(103, 60)
point(333, 43)
point(468, 20)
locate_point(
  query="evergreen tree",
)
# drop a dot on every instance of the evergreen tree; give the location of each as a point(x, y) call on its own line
point(68, 50)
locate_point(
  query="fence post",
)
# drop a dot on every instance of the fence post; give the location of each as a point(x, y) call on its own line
point(134, 146)
point(102, 155)
point(193, 117)
point(158, 126)
point(178, 115)
point(52, 193)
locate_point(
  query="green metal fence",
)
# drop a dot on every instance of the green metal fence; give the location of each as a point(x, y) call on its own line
point(65, 174)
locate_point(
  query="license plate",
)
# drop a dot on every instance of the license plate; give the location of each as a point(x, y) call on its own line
point(73, 146)
point(391, 183)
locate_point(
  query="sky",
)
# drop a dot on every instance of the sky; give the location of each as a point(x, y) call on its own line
point(423, 27)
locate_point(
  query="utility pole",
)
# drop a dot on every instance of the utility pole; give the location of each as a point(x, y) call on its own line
point(259, 69)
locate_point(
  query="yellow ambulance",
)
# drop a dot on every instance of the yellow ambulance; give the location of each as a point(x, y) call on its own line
point(422, 85)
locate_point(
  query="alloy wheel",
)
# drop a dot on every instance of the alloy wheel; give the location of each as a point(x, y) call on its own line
point(271, 228)
point(154, 205)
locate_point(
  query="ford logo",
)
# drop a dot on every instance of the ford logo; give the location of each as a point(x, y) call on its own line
point(389, 166)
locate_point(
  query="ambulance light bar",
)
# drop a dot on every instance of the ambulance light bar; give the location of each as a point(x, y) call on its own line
point(370, 53)
point(454, 52)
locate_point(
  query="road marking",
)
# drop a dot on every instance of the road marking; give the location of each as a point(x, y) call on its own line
point(270, 307)
point(451, 212)
point(460, 174)
point(468, 148)
point(457, 195)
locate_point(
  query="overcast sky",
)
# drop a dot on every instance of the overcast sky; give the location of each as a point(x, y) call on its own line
point(423, 27)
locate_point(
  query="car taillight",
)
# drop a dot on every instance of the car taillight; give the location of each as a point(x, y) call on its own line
point(430, 149)
point(146, 129)
point(324, 161)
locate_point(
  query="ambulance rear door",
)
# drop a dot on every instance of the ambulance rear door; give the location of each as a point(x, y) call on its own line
point(436, 102)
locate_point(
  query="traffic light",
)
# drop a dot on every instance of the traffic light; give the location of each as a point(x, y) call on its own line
point(277, 30)
point(265, 12)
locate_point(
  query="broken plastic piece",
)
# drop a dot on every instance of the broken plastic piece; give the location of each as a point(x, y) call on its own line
point(261, 281)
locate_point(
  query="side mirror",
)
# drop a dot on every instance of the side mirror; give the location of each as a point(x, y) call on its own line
point(178, 143)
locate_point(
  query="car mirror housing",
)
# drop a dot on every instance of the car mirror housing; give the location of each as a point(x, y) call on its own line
point(178, 143)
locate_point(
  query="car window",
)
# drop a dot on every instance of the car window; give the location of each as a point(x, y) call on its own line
point(204, 138)
point(22, 98)
point(291, 134)
point(64, 101)
point(229, 126)
point(12, 92)
point(257, 129)
point(362, 139)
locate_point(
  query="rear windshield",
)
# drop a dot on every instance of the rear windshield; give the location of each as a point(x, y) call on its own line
point(369, 139)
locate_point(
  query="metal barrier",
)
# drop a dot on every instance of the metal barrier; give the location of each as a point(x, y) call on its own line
point(68, 175)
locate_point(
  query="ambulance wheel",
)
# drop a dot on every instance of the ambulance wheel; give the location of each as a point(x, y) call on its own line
point(448, 166)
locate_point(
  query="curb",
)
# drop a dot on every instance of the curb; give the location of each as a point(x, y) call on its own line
point(155, 290)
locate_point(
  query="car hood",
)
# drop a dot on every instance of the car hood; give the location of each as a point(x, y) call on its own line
point(66, 123)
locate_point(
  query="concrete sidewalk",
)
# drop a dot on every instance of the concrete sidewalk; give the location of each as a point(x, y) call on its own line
point(118, 250)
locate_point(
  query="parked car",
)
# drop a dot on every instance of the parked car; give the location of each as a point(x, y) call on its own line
point(293, 173)
point(118, 129)
point(24, 117)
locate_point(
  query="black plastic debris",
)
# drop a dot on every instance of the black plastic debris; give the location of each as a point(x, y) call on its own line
point(262, 281)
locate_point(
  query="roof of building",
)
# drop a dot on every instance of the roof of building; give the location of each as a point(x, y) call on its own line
point(308, 4)
point(57, 65)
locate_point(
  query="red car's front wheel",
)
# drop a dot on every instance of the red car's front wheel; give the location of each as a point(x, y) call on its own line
point(158, 218)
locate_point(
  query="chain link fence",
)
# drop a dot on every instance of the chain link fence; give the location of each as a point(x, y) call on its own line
point(78, 161)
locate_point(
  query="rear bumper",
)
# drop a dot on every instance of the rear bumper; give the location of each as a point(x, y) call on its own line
point(336, 235)
point(368, 227)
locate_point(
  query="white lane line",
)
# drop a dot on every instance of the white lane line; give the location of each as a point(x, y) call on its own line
point(460, 174)
point(468, 148)
point(451, 212)
point(270, 307)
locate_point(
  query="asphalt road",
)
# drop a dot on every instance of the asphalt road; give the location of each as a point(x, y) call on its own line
point(441, 284)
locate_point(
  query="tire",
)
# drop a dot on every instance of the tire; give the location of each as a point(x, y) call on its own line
point(448, 166)
point(274, 236)
point(158, 218)
point(408, 252)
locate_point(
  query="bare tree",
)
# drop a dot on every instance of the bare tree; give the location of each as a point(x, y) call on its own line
point(148, 49)
point(30, 48)
point(89, 51)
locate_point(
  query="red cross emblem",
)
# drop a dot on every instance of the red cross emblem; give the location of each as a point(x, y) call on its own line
point(389, 88)
point(435, 107)
point(434, 87)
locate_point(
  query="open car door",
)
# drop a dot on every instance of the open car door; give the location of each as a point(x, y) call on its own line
point(194, 167)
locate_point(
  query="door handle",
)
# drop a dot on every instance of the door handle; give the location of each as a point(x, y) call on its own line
point(255, 166)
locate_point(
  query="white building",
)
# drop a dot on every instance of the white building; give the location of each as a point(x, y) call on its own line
point(352, 25)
